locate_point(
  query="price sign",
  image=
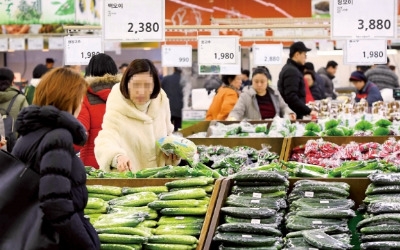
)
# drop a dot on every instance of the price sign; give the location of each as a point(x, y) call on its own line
point(134, 20)
point(176, 55)
point(35, 43)
point(16, 43)
point(79, 50)
point(218, 50)
point(222, 69)
point(265, 54)
point(364, 19)
point(3, 44)
point(365, 52)
point(56, 43)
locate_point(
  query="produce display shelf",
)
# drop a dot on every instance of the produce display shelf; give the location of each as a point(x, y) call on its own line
point(159, 182)
point(358, 187)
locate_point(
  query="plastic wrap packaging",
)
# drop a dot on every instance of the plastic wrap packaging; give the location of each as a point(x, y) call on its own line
point(385, 178)
point(316, 203)
point(179, 146)
point(297, 223)
point(384, 207)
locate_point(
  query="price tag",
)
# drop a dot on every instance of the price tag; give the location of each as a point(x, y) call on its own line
point(176, 56)
point(223, 69)
point(264, 54)
point(35, 43)
point(56, 43)
point(255, 221)
point(309, 194)
point(319, 236)
point(179, 217)
point(3, 44)
point(365, 52)
point(79, 50)
point(364, 19)
point(247, 236)
point(255, 201)
point(16, 43)
point(317, 222)
point(218, 50)
point(134, 20)
point(324, 202)
point(257, 195)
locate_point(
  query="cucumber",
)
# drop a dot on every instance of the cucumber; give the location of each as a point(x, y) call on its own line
point(322, 189)
point(327, 213)
point(120, 247)
point(249, 228)
point(195, 193)
point(279, 194)
point(382, 197)
point(312, 183)
point(320, 195)
point(244, 201)
point(105, 197)
point(222, 247)
point(380, 237)
point(297, 223)
point(383, 207)
point(306, 172)
point(160, 204)
point(272, 221)
point(359, 173)
point(121, 238)
point(261, 183)
point(168, 220)
point(191, 182)
point(184, 211)
point(316, 203)
point(208, 188)
point(147, 224)
point(381, 229)
point(127, 221)
point(173, 239)
point(329, 230)
point(385, 178)
point(259, 189)
point(387, 189)
point(95, 203)
point(145, 232)
point(322, 240)
point(101, 210)
point(273, 176)
point(381, 245)
point(145, 173)
point(387, 218)
point(239, 239)
point(154, 189)
point(134, 200)
point(153, 246)
point(100, 189)
point(252, 213)
point(133, 210)
point(179, 229)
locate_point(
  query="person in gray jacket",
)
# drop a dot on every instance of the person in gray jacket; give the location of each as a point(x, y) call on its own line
point(383, 76)
point(327, 74)
point(259, 101)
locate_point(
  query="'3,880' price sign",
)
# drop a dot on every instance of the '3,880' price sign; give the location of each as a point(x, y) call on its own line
point(78, 50)
point(134, 20)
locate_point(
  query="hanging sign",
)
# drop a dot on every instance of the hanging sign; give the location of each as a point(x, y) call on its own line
point(79, 50)
point(365, 52)
point(266, 54)
point(176, 55)
point(218, 50)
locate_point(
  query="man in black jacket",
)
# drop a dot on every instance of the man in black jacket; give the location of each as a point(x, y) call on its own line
point(173, 87)
point(291, 82)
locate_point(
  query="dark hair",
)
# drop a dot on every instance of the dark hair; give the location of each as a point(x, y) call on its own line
point(226, 79)
point(332, 64)
point(177, 70)
point(101, 64)
point(39, 71)
point(261, 70)
point(4, 84)
point(140, 66)
point(246, 72)
point(309, 66)
point(392, 67)
point(363, 68)
point(308, 72)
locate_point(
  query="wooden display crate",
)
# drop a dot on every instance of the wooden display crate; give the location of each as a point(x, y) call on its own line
point(357, 194)
point(161, 182)
point(293, 142)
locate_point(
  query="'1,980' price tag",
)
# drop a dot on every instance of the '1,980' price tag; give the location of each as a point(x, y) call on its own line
point(79, 50)
point(134, 20)
point(218, 50)
point(365, 52)
point(364, 19)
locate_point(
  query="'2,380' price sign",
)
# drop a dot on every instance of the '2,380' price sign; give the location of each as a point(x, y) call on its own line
point(78, 50)
point(134, 20)
point(364, 19)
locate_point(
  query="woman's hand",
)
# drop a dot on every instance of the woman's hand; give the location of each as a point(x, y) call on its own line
point(124, 163)
point(3, 141)
point(172, 158)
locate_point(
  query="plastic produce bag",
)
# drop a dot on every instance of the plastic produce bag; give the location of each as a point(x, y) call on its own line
point(180, 146)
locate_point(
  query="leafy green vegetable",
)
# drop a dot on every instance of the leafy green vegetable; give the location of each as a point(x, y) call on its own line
point(312, 126)
point(334, 132)
point(331, 124)
point(310, 133)
point(363, 125)
point(347, 131)
point(383, 123)
point(380, 131)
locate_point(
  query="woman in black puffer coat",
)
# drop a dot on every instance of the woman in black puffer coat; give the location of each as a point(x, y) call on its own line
point(62, 188)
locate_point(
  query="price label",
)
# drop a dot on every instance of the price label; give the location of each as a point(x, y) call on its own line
point(309, 194)
point(179, 217)
point(365, 52)
point(79, 50)
point(255, 201)
point(324, 202)
point(218, 50)
point(317, 222)
point(176, 55)
point(247, 236)
point(264, 54)
point(134, 20)
point(56, 43)
point(255, 221)
point(35, 43)
point(257, 195)
point(364, 19)
point(16, 43)
point(3, 44)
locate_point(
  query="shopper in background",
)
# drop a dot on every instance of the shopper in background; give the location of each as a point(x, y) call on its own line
point(9, 93)
point(309, 82)
point(101, 75)
point(62, 189)
point(226, 98)
point(258, 101)
point(328, 74)
point(365, 89)
point(37, 73)
point(245, 78)
point(291, 81)
point(317, 88)
point(213, 82)
point(173, 87)
point(49, 63)
point(382, 76)
point(137, 115)
point(363, 68)
point(123, 67)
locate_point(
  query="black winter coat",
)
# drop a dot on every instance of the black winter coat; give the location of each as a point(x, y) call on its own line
point(62, 187)
point(173, 88)
point(292, 88)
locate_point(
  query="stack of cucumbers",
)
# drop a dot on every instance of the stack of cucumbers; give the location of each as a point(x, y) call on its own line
point(381, 227)
point(253, 212)
point(182, 211)
point(318, 215)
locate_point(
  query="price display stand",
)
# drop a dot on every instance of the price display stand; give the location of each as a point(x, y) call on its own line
point(79, 50)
